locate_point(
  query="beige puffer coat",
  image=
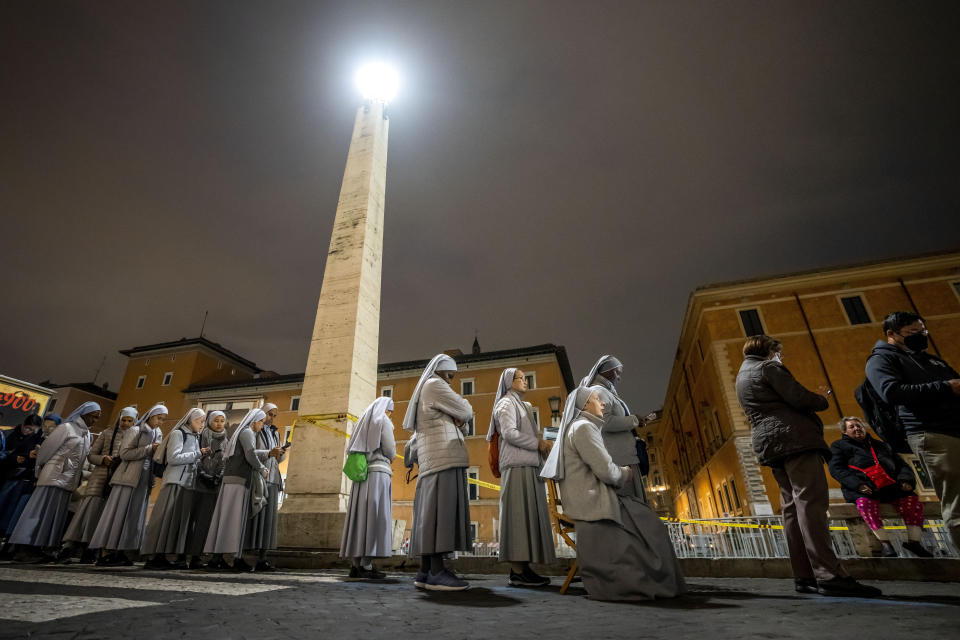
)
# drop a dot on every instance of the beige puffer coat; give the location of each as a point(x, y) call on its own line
point(440, 443)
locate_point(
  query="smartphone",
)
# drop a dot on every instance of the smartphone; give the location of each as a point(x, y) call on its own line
point(287, 446)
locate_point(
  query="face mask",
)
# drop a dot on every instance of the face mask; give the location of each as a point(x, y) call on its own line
point(916, 342)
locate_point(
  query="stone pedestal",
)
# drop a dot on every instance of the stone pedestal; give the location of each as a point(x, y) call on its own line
point(341, 372)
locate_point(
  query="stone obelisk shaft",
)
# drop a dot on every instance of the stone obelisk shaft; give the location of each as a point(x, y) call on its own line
point(341, 374)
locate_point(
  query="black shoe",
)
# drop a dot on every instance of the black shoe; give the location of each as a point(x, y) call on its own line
point(158, 563)
point(527, 578)
point(354, 572)
point(88, 556)
point(195, 563)
point(888, 551)
point(845, 586)
point(240, 566)
point(805, 585)
point(917, 549)
point(106, 561)
point(122, 560)
point(217, 563)
point(371, 574)
point(263, 565)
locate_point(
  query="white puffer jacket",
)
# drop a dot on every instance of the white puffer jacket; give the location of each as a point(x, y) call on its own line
point(61, 456)
point(440, 442)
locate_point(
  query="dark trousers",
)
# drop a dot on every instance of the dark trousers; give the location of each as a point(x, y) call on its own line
point(804, 498)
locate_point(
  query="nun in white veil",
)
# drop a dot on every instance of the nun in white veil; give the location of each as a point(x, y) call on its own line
point(209, 478)
point(368, 531)
point(525, 534)
point(170, 519)
point(124, 515)
point(441, 504)
point(619, 424)
point(235, 503)
point(623, 548)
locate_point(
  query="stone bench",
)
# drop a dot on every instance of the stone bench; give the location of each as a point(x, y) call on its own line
point(864, 541)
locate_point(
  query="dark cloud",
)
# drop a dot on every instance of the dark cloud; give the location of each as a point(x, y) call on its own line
point(558, 171)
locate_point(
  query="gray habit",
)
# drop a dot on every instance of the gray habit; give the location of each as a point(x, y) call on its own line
point(368, 532)
point(229, 520)
point(169, 521)
point(262, 528)
point(85, 520)
point(525, 534)
point(121, 523)
point(441, 514)
point(42, 521)
point(635, 561)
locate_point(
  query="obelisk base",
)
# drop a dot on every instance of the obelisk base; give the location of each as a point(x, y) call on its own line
point(310, 530)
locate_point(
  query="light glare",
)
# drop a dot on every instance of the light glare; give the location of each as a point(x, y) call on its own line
point(377, 82)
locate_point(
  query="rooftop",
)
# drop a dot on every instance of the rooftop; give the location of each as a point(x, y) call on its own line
point(88, 387)
point(190, 342)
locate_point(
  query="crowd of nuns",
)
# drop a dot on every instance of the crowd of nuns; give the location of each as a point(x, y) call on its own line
point(220, 493)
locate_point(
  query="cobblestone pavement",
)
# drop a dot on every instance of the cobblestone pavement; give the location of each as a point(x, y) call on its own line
point(82, 602)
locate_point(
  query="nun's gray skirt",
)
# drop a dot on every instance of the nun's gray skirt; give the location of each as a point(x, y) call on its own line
point(634, 488)
point(43, 519)
point(169, 521)
point(204, 502)
point(123, 518)
point(85, 520)
point(262, 528)
point(525, 533)
point(229, 520)
point(634, 561)
point(368, 531)
point(441, 514)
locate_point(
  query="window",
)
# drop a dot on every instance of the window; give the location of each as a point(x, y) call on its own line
point(387, 391)
point(140, 381)
point(473, 473)
point(295, 403)
point(466, 387)
point(167, 378)
point(856, 310)
point(656, 478)
point(536, 415)
point(723, 507)
point(652, 456)
point(233, 372)
point(474, 530)
point(736, 496)
point(471, 431)
point(532, 380)
point(53, 403)
point(751, 322)
point(219, 364)
point(726, 491)
point(146, 362)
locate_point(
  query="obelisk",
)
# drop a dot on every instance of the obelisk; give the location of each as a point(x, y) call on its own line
point(341, 373)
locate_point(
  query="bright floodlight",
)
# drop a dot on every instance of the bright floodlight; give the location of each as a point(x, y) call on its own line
point(377, 82)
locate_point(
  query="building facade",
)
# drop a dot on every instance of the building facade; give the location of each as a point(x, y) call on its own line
point(68, 397)
point(828, 322)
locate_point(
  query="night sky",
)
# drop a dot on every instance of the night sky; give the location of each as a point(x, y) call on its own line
point(561, 172)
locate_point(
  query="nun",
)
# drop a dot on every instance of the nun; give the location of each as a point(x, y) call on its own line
point(368, 531)
point(209, 476)
point(623, 548)
point(59, 466)
point(438, 418)
point(525, 534)
point(619, 425)
point(261, 535)
point(239, 497)
point(170, 519)
point(105, 457)
point(120, 529)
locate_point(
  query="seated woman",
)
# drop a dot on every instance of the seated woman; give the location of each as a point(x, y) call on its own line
point(622, 546)
point(870, 472)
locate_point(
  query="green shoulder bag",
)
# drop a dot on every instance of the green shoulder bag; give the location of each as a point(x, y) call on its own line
point(355, 467)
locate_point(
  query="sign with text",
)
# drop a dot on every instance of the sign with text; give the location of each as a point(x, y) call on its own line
point(18, 400)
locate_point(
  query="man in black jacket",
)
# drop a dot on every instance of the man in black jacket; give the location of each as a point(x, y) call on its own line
point(870, 473)
point(926, 392)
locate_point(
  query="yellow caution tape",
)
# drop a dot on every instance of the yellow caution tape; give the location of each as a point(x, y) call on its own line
point(319, 420)
point(742, 525)
point(481, 483)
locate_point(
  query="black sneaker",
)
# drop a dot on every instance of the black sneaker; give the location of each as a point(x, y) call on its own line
point(527, 578)
point(805, 585)
point(240, 566)
point(158, 563)
point(263, 565)
point(420, 580)
point(845, 586)
point(217, 563)
point(371, 574)
point(88, 556)
point(195, 563)
point(445, 581)
point(917, 549)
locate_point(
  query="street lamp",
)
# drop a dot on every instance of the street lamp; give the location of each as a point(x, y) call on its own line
point(377, 82)
point(554, 409)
